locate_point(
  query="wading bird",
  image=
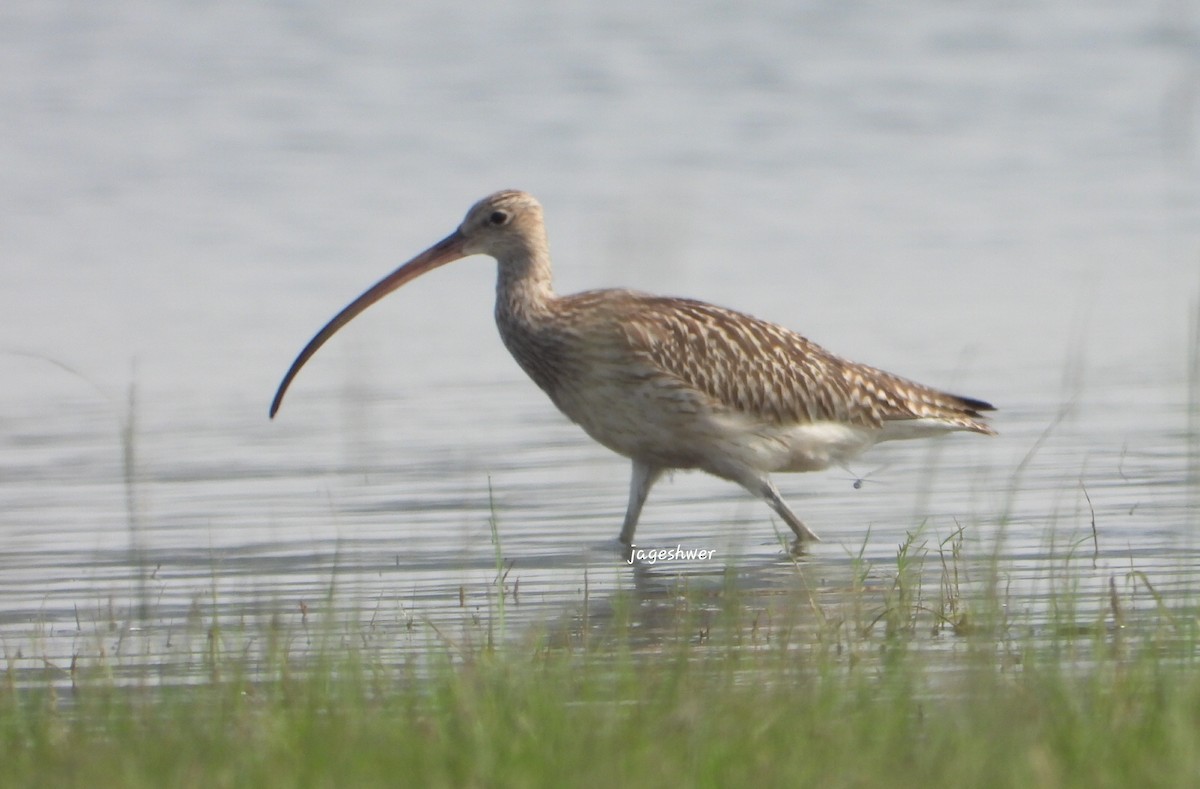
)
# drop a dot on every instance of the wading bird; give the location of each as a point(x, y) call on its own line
point(674, 383)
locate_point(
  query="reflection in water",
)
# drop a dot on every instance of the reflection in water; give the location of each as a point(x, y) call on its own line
point(173, 610)
point(243, 541)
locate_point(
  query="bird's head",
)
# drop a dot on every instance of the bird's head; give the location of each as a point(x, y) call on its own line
point(506, 225)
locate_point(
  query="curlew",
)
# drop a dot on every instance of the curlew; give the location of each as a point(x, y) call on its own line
point(673, 383)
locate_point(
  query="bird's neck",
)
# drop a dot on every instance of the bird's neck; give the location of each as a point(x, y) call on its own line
point(524, 286)
point(525, 303)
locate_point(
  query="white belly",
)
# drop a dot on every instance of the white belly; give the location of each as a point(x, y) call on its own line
point(808, 447)
point(674, 426)
point(682, 431)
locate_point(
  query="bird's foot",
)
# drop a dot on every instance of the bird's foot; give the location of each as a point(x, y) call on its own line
point(799, 547)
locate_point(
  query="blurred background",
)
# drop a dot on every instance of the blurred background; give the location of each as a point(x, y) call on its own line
point(194, 187)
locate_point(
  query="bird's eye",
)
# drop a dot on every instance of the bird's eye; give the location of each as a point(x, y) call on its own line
point(498, 218)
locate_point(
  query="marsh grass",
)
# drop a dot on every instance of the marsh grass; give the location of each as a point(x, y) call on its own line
point(914, 671)
point(924, 669)
point(884, 680)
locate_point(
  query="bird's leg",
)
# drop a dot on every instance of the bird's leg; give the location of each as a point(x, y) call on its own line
point(765, 490)
point(644, 477)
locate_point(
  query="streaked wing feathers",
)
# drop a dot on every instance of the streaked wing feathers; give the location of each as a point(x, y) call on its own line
point(775, 374)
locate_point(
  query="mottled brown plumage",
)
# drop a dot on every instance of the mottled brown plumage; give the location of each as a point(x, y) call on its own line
point(676, 383)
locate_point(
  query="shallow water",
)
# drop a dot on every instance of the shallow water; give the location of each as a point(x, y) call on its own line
point(1001, 201)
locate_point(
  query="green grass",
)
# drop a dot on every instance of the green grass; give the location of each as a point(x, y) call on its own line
point(899, 678)
point(561, 720)
point(915, 672)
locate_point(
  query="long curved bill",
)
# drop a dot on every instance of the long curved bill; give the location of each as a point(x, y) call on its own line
point(445, 251)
